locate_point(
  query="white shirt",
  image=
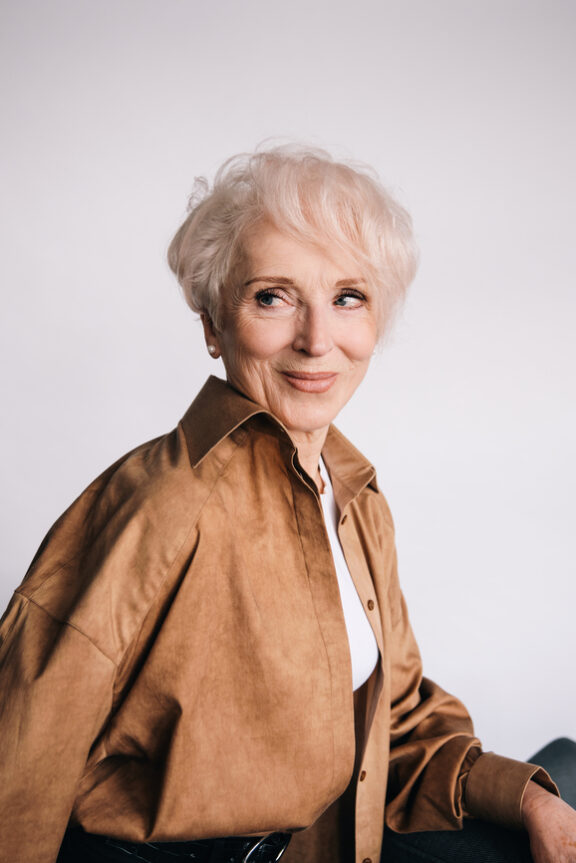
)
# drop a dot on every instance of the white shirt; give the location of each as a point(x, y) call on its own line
point(363, 646)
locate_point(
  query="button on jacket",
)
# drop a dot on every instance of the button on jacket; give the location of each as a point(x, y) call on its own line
point(175, 664)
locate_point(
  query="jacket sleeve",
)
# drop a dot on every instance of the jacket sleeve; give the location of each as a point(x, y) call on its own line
point(55, 694)
point(438, 773)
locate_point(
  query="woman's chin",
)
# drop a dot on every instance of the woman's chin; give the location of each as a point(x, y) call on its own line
point(307, 422)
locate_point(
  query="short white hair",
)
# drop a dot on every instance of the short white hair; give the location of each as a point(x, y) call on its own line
point(306, 194)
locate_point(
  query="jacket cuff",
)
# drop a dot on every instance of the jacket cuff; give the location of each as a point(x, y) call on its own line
point(496, 785)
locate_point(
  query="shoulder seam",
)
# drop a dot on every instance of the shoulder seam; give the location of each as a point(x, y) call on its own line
point(66, 623)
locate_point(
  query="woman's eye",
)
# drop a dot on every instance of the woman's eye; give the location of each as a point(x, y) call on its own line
point(350, 300)
point(268, 298)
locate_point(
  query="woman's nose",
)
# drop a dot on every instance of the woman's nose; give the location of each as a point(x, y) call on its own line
point(313, 333)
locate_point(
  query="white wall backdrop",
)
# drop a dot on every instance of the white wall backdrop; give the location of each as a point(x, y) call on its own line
point(109, 110)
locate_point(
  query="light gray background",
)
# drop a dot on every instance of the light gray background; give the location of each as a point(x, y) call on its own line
point(109, 110)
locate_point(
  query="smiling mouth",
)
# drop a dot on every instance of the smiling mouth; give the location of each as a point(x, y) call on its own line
point(311, 382)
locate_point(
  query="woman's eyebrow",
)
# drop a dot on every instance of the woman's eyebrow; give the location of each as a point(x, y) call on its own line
point(349, 283)
point(282, 280)
point(277, 280)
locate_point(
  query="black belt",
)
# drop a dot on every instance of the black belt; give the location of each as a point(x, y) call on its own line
point(80, 846)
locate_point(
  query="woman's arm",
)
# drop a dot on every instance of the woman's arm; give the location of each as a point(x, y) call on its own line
point(55, 693)
point(438, 772)
point(551, 825)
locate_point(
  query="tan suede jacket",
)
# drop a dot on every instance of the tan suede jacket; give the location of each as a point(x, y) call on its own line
point(175, 664)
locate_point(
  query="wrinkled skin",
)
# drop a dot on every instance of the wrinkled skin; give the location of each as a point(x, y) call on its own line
point(551, 825)
point(298, 336)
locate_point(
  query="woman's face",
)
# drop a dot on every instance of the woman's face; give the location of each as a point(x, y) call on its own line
point(299, 338)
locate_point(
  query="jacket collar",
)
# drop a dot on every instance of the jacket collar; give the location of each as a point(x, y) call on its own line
point(219, 409)
point(349, 470)
point(216, 411)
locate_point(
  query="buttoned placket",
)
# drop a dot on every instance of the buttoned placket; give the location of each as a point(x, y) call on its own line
point(364, 585)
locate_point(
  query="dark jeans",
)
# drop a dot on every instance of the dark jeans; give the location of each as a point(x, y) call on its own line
point(479, 842)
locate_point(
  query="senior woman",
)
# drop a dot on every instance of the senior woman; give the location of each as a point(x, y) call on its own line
point(210, 651)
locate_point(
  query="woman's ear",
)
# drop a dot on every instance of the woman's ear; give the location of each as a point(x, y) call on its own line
point(210, 336)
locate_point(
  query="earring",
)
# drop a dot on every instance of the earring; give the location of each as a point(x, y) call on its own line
point(212, 350)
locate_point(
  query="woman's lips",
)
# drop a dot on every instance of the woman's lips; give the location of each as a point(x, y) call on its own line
point(311, 382)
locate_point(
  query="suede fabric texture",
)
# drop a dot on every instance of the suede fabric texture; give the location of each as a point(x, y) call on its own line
point(175, 664)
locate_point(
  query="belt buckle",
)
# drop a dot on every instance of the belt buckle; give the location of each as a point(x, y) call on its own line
point(279, 839)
